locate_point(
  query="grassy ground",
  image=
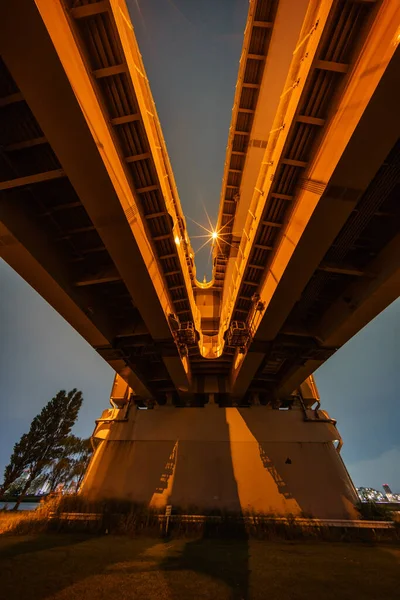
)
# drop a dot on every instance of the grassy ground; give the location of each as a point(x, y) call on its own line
point(9, 519)
point(72, 567)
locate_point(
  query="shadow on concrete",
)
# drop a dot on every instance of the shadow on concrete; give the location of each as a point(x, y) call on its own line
point(310, 473)
point(153, 465)
point(205, 472)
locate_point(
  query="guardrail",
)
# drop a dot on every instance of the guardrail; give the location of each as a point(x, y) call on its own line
point(251, 520)
point(76, 516)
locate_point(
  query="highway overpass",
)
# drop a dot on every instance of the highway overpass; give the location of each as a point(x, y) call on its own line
point(306, 248)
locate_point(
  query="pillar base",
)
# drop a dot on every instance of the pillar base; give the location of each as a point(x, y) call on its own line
point(237, 459)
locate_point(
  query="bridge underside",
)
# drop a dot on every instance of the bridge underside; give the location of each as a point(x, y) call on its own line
point(213, 394)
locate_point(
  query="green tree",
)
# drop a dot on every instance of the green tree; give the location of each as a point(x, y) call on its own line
point(16, 487)
point(62, 469)
point(82, 462)
point(17, 465)
point(44, 442)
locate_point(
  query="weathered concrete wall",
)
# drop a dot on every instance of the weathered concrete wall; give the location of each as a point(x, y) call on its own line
point(239, 459)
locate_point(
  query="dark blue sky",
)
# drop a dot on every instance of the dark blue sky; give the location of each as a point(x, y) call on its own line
point(191, 51)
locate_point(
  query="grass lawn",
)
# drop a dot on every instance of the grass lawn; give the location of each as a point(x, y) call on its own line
point(9, 519)
point(72, 567)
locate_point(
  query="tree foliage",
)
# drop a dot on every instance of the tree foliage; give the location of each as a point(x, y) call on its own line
point(82, 462)
point(44, 443)
point(69, 468)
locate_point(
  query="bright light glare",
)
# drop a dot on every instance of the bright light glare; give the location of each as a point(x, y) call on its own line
point(177, 241)
point(212, 236)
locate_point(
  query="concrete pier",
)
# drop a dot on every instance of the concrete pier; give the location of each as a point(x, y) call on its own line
point(240, 459)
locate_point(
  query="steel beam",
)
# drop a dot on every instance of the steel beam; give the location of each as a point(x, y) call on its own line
point(271, 224)
point(26, 249)
point(363, 299)
point(327, 65)
point(62, 207)
point(294, 163)
point(125, 119)
point(11, 99)
point(89, 10)
point(109, 71)
point(31, 179)
point(39, 141)
point(342, 270)
point(361, 302)
point(136, 157)
point(106, 277)
point(264, 24)
point(148, 188)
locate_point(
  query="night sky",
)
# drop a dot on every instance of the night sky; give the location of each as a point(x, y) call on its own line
point(191, 51)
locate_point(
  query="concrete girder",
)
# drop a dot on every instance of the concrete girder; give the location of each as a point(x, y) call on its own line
point(57, 87)
point(278, 131)
point(357, 306)
point(285, 32)
point(158, 149)
point(363, 299)
point(35, 260)
point(358, 138)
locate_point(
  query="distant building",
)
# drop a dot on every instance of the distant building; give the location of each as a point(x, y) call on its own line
point(367, 494)
point(388, 492)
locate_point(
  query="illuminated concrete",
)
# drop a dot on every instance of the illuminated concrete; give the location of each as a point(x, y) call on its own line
point(344, 161)
point(253, 459)
point(285, 33)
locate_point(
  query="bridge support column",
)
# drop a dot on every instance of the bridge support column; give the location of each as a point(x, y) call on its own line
point(239, 459)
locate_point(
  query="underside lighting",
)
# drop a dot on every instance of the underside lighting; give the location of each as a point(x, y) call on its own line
point(214, 235)
point(177, 241)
